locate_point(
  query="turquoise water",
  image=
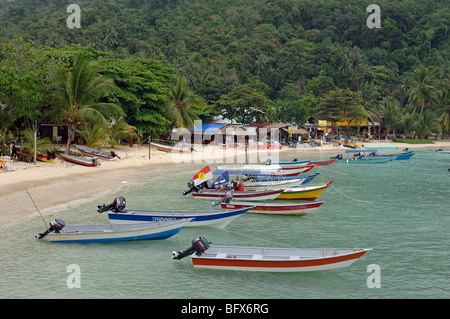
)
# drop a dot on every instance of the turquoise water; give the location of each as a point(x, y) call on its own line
point(400, 209)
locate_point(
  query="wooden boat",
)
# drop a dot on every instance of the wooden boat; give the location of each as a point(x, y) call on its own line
point(215, 218)
point(60, 233)
point(168, 148)
point(322, 162)
point(49, 157)
point(263, 171)
point(97, 153)
point(365, 156)
point(275, 208)
point(269, 259)
point(250, 195)
point(304, 193)
point(79, 160)
point(368, 160)
point(289, 165)
point(404, 156)
point(262, 181)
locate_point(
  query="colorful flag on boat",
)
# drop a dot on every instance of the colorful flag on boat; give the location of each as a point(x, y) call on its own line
point(222, 179)
point(202, 176)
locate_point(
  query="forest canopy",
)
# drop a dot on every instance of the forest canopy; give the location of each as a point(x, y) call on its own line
point(289, 55)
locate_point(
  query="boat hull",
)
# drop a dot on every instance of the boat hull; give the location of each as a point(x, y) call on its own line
point(372, 160)
point(277, 259)
point(218, 219)
point(404, 156)
point(241, 195)
point(78, 160)
point(275, 209)
point(322, 162)
point(96, 153)
point(168, 148)
point(303, 193)
point(116, 233)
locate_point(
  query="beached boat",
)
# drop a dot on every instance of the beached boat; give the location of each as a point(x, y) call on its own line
point(288, 209)
point(97, 153)
point(79, 160)
point(58, 232)
point(304, 193)
point(250, 195)
point(175, 149)
point(49, 157)
point(269, 259)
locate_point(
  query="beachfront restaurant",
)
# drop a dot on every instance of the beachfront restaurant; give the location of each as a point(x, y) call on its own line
point(221, 134)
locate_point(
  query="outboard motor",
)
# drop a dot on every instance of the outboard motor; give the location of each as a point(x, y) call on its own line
point(95, 161)
point(118, 205)
point(199, 246)
point(339, 156)
point(50, 155)
point(55, 227)
point(226, 199)
point(114, 154)
point(192, 188)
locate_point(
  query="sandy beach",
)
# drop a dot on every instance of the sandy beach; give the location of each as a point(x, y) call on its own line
point(60, 182)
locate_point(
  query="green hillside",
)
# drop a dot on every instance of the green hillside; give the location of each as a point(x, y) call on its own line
point(289, 55)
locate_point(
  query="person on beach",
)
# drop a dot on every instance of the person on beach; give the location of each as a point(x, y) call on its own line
point(12, 150)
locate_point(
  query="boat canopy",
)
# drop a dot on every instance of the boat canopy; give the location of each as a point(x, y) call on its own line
point(360, 151)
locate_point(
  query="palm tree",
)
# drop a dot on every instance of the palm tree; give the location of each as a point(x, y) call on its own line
point(427, 124)
point(178, 107)
point(422, 88)
point(389, 109)
point(80, 89)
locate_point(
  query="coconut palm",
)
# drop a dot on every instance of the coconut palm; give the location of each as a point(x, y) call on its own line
point(94, 134)
point(81, 88)
point(423, 88)
point(389, 109)
point(427, 124)
point(179, 107)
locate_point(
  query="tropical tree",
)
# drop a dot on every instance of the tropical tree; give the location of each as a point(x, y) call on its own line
point(423, 88)
point(246, 105)
point(179, 106)
point(81, 89)
point(93, 134)
point(29, 142)
point(427, 124)
point(390, 111)
point(342, 105)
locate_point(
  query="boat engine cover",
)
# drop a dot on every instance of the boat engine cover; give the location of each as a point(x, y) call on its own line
point(119, 204)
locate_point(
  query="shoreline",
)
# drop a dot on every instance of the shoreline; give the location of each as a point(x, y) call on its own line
point(60, 182)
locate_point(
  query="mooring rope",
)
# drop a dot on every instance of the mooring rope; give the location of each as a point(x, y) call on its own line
point(356, 200)
point(261, 239)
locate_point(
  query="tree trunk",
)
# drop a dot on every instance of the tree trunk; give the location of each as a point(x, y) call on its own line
point(69, 137)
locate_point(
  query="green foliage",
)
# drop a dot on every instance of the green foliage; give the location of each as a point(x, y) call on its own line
point(221, 47)
point(246, 105)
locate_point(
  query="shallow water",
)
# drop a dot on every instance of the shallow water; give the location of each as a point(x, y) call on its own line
point(400, 209)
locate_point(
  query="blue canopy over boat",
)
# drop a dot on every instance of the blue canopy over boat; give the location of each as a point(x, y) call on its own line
point(243, 172)
point(360, 151)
